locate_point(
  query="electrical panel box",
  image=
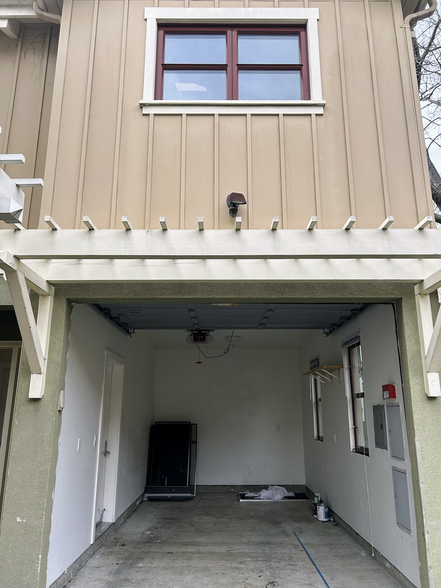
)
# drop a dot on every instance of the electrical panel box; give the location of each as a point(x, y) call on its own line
point(401, 493)
point(380, 426)
point(396, 440)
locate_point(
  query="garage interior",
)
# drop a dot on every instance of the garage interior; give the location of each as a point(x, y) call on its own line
point(254, 410)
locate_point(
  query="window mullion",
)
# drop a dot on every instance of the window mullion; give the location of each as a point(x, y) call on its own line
point(233, 56)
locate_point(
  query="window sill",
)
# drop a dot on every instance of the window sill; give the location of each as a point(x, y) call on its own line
point(232, 106)
point(361, 451)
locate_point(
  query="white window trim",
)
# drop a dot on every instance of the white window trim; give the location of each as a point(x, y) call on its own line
point(296, 16)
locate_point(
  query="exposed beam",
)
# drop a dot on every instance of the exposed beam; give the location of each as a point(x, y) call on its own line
point(274, 223)
point(7, 158)
point(89, 223)
point(11, 27)
point(430, 284)
point(163, 223)
point(312, 223)
point(127, 224)
point(387, 223)
point(34, 280)
point(29, 182)
point(349, 223)
point(238, 224)
point(212, 270)
point(424, 223)
point(51, 223)
point(201, 223)
point(252, 244)
point(18, 12)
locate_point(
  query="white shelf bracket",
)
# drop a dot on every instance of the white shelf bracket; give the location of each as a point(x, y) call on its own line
point(35, 334)
point(430, 344)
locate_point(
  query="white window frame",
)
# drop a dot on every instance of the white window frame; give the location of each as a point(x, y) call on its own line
point(260, 16)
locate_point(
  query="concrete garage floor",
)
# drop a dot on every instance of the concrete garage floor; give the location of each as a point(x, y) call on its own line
point(215, 541)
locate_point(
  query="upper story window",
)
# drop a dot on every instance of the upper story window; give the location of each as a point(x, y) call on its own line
point(232, 63)
point(202, 60)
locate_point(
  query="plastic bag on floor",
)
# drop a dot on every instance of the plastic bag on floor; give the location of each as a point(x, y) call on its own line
point(273, 493)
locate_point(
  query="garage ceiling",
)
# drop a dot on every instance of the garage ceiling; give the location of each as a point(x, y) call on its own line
point(327, 317)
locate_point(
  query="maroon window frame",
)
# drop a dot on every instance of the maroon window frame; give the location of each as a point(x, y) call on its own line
point(232, 67)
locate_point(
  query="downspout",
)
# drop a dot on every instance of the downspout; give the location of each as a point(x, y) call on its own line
point(411, 20)
point(49, 17)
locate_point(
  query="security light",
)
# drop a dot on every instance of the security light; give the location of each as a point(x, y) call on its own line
point(234, 200)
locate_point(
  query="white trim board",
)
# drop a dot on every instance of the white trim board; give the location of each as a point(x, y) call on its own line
point(308, 16)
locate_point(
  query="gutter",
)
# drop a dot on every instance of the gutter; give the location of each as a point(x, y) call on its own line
point(53, 18)
point(411, 20)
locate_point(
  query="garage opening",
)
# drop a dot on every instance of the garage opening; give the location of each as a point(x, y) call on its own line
point(292, 395)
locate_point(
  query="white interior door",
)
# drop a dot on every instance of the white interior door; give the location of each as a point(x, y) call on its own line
point(108, 444)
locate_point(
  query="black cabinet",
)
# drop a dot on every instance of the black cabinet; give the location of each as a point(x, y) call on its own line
point(172, 460)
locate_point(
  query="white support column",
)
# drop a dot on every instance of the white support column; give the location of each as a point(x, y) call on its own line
point(425, 324)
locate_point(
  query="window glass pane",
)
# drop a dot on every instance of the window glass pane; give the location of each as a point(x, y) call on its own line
point(189, 48)
point(269, 49)
point(270, 85)
point(357, 370)
point(195, 85)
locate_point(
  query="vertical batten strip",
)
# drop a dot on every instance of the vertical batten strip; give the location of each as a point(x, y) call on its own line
point(78, 213)
point(148, 187)
point(7, 129)
point(249, 195)
point(412, 108)
point(283, 172)
point(183, 171)
point(117, 151)
point(315, 156)
point(344, 94)
point(44, 66)
point(216, 171)
point(57, 107)
point(377, 109)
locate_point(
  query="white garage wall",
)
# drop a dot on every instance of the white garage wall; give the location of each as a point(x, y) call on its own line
point(331, 468)
point(247, 406)
point(74, 493)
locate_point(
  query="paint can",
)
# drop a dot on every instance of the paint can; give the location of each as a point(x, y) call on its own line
point(322, 512)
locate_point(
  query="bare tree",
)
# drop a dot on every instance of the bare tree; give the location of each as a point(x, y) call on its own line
point(427, 54)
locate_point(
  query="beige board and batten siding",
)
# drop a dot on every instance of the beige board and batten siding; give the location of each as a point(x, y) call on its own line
point(27, 71)
point(361, 157)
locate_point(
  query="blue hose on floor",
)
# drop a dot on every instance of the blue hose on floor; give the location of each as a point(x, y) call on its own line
point(312, 561)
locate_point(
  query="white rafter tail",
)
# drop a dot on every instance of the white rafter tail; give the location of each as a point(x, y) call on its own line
point(312, 223)
point(11, 28)
point(127, 224)
point(163, 223)
point(51, 223)
point(89, 223)
point(12, 158)
point(238, 224)
point(275, 223)
point(386, 223)
point(17, 226)
point(423, 223)
point(349, 223)
point(201, 223)
point(29, 182)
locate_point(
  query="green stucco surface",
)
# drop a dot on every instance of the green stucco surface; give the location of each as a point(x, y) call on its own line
point(35, 434)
